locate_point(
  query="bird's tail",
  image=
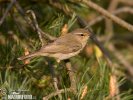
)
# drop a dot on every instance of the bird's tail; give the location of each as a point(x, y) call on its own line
point(28, 56)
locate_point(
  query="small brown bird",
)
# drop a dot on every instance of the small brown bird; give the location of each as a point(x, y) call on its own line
point(64, 47)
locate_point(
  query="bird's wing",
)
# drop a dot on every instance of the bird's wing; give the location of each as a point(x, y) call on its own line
point(62, 46)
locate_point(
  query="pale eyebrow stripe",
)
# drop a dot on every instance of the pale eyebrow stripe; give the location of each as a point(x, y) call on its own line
point(78, 33)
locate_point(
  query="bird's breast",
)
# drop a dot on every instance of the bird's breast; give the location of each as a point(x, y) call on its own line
point(61, 56)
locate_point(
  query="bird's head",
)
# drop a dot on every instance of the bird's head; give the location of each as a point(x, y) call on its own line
point(81, 35)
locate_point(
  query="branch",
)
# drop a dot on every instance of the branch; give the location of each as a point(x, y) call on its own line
point(71, 76)
point(108, 23)
point(35, 23)
point(34, 27)
point(108, 15)
point(128, 2)
point(7, 10)
point(56, 93)
point(55, 81)
point(121, 59)
point(116, 12)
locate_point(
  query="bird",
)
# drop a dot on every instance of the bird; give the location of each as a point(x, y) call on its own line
point(64, 47)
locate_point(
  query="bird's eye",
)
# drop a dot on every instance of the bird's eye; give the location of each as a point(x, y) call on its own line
point(82, 34)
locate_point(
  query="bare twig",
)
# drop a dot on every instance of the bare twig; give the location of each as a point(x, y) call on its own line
point(7, 10)
point(121, 59)
point(118, 11)
point(36, 25)
point(108, 22)
point(55, 81)
point(109, 15)
point(71, 76)
point(56, 93)
point(20, 10)
point(127, 2)
point(113, 5)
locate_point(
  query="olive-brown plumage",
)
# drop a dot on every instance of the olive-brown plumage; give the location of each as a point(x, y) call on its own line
point(63, 47)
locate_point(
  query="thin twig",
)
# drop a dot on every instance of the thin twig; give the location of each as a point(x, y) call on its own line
point(121, 59)
point(108, 15)
point(116, 12)
point(108, 23)
point(127, 2)
point(7, 10)
point(71, 76)
point(55, 81)
point(36, 26)
point(56, 93)
point(21, 11)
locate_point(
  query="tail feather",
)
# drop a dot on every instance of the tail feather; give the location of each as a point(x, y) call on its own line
point(28, 56)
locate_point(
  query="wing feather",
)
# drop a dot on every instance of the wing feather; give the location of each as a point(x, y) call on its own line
point(62, 45)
